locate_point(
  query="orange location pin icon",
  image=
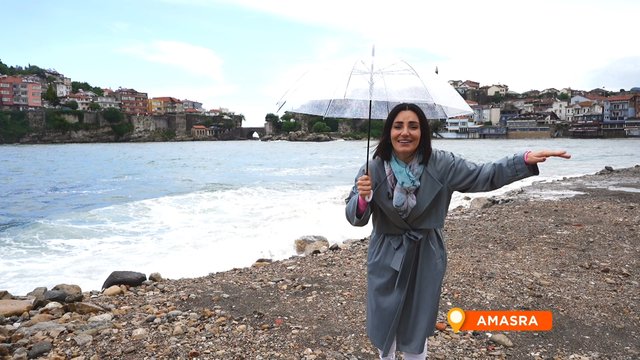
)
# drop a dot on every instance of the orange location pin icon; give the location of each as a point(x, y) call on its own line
point(456, 319)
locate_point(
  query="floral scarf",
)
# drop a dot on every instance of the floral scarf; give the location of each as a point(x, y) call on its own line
point(404, 182)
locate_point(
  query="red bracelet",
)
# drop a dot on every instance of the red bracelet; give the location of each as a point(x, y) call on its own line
point(526, 157)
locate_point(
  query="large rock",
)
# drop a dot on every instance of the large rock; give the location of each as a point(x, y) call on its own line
point(14, 307)
point(130, 278)
point(73, 292)
point(5, 295)
point(38, 295)
point(307, 245)
point(62, 293)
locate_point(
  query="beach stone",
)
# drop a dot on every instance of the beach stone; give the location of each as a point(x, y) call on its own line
point(19, 354)
point(139, 333)
point(54, 308)
point(130, 278)
point(83, 339)
point(262, 262)
point(69, 290)
point(113, 290)
point(311, 243)
point(481, 203)
point(14, 307)
point(38, 318)
point(38, 295)
point(156, 277)
point(83, 308)
point(4, 349)
point(93, 328)
point(55, 295)
point(39, 348)
point(501, 339)
point(101, 318)
point(50, 328)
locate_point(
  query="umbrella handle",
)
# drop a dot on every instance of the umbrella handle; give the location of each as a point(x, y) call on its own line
point(369, 197)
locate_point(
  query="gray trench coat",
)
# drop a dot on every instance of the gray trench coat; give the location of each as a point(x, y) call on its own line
point(407, 257)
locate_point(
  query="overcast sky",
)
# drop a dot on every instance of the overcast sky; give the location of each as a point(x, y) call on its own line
point(243, 55)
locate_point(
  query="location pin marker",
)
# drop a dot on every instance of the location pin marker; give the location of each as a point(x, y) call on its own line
point(456, 318)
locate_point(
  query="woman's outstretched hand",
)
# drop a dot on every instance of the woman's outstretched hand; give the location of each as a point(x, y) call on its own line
point(534, 157)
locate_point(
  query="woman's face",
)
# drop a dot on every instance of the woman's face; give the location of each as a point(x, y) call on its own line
point(405, 135)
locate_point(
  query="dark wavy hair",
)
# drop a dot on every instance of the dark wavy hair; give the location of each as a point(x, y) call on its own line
point(384, 147)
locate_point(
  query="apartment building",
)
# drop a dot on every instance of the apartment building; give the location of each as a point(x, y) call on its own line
point(132, 101)
point(621, 107)
point(165, 104)
point(82, 98)
point(20, 92)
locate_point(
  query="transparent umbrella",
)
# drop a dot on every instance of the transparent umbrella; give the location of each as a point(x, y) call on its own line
point(368, 90)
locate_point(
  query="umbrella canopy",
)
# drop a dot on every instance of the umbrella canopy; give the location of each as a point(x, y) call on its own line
point(368, 90)
point(348, 91)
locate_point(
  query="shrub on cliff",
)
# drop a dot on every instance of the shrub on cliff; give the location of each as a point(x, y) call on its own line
point(122, 129)
point(13, 126)
point(320, 127)
point(112, 115)
point(56, 122)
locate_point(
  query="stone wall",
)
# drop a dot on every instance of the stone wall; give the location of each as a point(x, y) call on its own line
point(529, 134)
point(36, 120)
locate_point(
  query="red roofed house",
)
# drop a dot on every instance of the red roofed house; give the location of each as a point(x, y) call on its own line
point(200, 131)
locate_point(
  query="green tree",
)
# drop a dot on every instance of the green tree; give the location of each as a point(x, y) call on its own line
point(332, 123)
point(436, 126)
point(563, 97)
point(275, 121)
point(272, 118)
point(320, 127)
point(77, 86)
point(112, 115)
point(228, 123)
point(122, 129)
point(55, 121)
point(13, 127)
point(51, 97)
point(4, 69)
point(289, 126)
point(286, 116)
point(73, 105)
point(376, 128)
point(94, 106)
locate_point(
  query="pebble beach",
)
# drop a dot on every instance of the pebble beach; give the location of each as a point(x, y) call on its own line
point(571, 246)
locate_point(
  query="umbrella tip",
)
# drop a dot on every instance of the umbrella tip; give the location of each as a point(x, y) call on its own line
point(436, 69)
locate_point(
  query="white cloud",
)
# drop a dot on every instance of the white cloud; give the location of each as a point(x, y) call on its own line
point(526, 45)
point(194, 72)
point(187, 57)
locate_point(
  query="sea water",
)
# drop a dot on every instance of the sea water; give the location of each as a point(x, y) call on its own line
point(74, 213)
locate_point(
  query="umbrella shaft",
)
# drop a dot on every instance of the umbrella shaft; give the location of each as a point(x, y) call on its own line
point(368, 139)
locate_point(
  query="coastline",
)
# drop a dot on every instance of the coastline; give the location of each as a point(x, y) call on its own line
point(576, 256)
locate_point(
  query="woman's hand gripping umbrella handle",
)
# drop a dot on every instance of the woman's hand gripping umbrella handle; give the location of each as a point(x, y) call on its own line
point(365, 189)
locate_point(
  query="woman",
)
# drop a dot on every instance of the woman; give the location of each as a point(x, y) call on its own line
point(408, 191)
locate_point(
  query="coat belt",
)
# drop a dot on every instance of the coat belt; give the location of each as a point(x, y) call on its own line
point(404, 255)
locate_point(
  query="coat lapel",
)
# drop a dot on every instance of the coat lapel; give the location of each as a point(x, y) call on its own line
point(430, 186)
point(383, 196)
